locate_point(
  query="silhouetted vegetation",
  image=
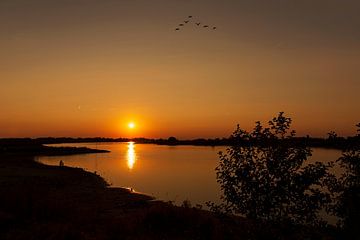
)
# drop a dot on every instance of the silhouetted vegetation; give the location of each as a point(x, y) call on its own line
point(264, 175)
point(34, 147)
point(347, 189)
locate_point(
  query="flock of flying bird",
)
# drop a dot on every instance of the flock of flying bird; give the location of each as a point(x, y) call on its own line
point(199, 24)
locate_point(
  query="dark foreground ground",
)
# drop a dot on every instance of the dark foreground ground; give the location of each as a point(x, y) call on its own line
point(48, 202)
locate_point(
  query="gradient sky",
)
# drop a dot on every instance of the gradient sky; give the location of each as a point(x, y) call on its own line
point(88, 67)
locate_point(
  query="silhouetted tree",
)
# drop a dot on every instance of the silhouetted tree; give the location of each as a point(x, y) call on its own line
point(347, 207)
point(263, 175)
point(332, 135)
point(172, 140)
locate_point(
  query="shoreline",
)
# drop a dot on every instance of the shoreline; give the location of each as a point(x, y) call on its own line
point(338, 143)
point(40, 200)
point(174, 145)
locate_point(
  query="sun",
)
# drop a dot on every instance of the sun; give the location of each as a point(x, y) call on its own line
point(131, 125)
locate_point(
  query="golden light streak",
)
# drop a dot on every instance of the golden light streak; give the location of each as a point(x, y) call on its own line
point(131, 155)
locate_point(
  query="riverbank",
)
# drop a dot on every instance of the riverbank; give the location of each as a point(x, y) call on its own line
point(50, 202)
point(339, 143)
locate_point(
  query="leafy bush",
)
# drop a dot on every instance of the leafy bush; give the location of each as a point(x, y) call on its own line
point(264, 175)
point(348, 189)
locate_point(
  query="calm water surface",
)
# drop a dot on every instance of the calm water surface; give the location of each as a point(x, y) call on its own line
point(170, 173)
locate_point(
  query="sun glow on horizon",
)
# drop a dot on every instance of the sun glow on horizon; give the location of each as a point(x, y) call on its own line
point(131, 125)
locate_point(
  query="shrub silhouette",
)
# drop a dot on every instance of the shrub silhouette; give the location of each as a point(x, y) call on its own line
point(263, 175)
point(347, 206)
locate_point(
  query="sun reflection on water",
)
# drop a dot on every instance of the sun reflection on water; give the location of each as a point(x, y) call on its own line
point(131, 155)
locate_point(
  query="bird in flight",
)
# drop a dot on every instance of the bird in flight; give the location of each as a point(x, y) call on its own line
point(186, 21)
point(198, 24)
point(206, 26)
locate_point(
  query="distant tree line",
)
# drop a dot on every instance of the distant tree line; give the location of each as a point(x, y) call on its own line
point(332, 141)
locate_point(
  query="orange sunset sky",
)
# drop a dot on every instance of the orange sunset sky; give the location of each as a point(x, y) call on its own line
point(88, 67)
